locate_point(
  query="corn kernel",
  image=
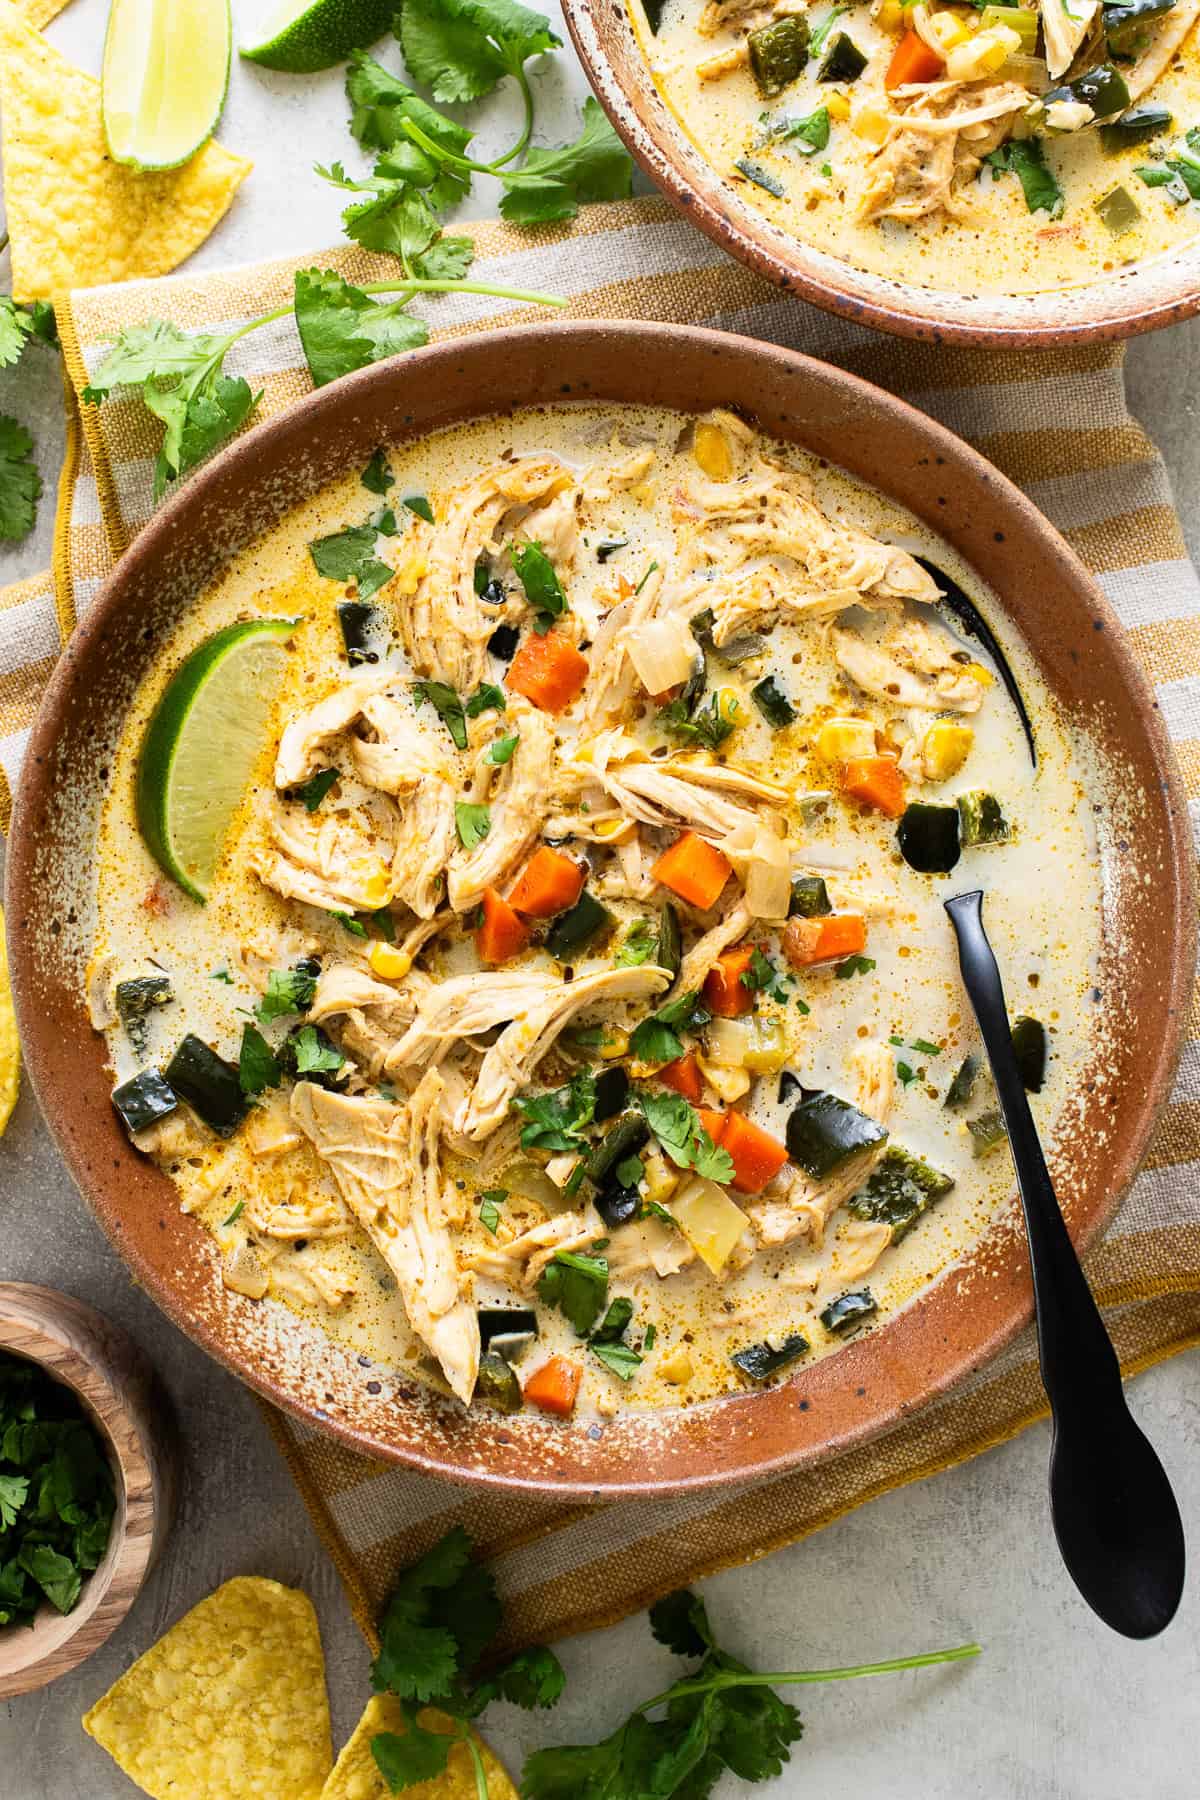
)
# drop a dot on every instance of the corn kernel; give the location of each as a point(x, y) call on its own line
point(943, 31)
point(616, 1044)
point(982, 675)
point(837, 106)
point(374, 877)
point(676, 1368)
point(871, 123)
point(842, 740)
point(386, 961)
point(659, 1180)
point(614, 831)
point(711, 450)
point(729, 706)
point(890, 16)
point(945, 748)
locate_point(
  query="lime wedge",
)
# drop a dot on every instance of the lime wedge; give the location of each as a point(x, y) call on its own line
point(166, 70)
point(301, 36)
point(202, 744)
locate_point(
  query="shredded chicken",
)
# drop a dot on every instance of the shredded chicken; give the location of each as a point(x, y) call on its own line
point(328, 860)
point(705, 952)
point(1065, 24)
point(1166, 35)
point(385, 1160)
point(522, 1259)
point(939, 134)
point(716, 800)
point(913, 665)
point(517, 803)
point(307, 737)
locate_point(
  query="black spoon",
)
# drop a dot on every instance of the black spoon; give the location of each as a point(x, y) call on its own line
point(1115, 1517)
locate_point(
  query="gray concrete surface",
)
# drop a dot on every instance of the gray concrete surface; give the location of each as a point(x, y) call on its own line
point(1057, 1708)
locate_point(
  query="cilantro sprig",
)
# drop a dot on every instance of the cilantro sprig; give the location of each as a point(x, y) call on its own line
point(676, 1125)
point(20, 483)
point(720, 1716)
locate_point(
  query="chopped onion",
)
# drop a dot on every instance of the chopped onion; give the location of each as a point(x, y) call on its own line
point(768, 877)
point(663, 651)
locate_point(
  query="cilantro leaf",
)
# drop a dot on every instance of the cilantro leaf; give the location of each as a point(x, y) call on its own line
point(419, 1656)
point(618, 1359)
point(460, 49)
point(543, 589)
point(316, 788)
point(678, 1129)
point(419, 1755)
point(446, 259)
point(533, 1678)
point(419, 504)
point(14, 1490)
point(349, 923)
point(472, 822)
point(350, 556)
point(1026, 159)
point(377, 477)
point(551, 184)
point(382, 105)
point(486, 698)
point(156, 351)
point(342, 329)
point(20, 483)
point(708, 725)
point(447, 705)
point(258, 1065)
point(578, 1285)
point(639, 945)
point(853, 965)
point(56, 1575)
point(557, 1120)
point(501, 751)
point(655, 1040)
point(762, 976)
point(396, 218)
point(21, 325)
point(313, 1053)
point(680, 1621)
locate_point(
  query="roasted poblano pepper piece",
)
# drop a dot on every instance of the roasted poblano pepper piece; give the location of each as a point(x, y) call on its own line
point(135, 1000)
point(963, 1085)
point(505, 1328)
point(1102, 88)
point(810, 898)
point(759, 1361)
point(208, 1083)
point(496, 1384)
point(898, 1190)
point(144, 1100)
point(356, 619)
point(842, 61)
point(980, 819)
point(626, 1138)
point(778, 53)
point(1137, 126)
point(761, 177)
point(1130, 25)
point(1118, 211)
point(773, 703)
point(1030, 1049)
point(849, 1310)
point(653, 10)
point(612, 1091)
point(823, 1132)
point(987, 1131)
point(928, 837)
point(573, 931)
point(618, 1205)
point(669, 954)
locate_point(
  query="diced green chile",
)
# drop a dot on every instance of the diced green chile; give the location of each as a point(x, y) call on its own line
point(986, 1131)
point(356, 618)
point(1118, 211)
point(626, 1138)
point(497, 1323)
point(849, 1310)
point(823, 1132)
point(1137, 126)
point(898, 1190)
point(842, 61)
point(757, 1362)
point(981, 820)
point(653, 10)
point(497, 1385)
point(1129, 26)
point(1103, 89)
point(503, 643)
point(761, 177)
point(810, 898)
point(612, 1091)
point(208, 1083)
point(1031, 1050)
point(670, 942)
point(144, 1100)
point(928, 837)
point(135, 999)
point(572, 931)
point(778, 53)
point(773, 703)
point(963, 1085)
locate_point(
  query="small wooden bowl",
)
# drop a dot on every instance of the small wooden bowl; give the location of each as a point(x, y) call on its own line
point(120, 1395)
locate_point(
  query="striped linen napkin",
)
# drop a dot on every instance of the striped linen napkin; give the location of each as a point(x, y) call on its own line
point(1057, 424)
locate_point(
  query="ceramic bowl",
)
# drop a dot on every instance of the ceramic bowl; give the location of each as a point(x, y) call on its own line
point(1160, 291)
point(113, 1383)
point(957, 1323)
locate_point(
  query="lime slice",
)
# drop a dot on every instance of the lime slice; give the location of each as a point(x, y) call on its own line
point(301, 36)
point(166, 70)
point(202, 744)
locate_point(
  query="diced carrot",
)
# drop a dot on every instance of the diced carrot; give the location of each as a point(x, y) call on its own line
point(912, 60)
point(755, 1154)
point(694, 869)
point(713, 1122)
point(808, 941)
point(549, 883)
point(554, 1386)
point(501, 934)
point(876, 781)
point(724, 992)
point(684, 1077)
point(548, 670)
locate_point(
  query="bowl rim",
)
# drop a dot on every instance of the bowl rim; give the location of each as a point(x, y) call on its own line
point(239, 459)
point(888, 305)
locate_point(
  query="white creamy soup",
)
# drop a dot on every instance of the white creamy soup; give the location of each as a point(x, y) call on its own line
point(567, 1022)
point(982, 149)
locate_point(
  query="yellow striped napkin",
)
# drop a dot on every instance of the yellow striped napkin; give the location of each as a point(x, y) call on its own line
point(1057, 423)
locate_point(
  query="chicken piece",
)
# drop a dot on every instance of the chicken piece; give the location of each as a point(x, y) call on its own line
point(308, 736)
point(510, 1062)
point(649, 1244)
point(1166, 35)
point(385, 1160)
point(522, 1260)
point(303, 1277)
point(938, 136)
point(555, 526)
point(1065, 24)
point(860, 1245)
point(409, 745)
point(518, 801)
point(719, 15)
point(717, 800)
point(325, 860)
point(704, 953)
point(612, 682)
point(305, 1214)
point(425, 842)
point(624, 470)
point(466, 1007)
point(445, 625)
point(629, 874)
point(343, 988)
point(914, 666)
point(723, 62)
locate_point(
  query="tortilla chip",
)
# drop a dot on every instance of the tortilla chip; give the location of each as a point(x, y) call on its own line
point(356, 1775)
point(76, 218)
point(40, 12)
point(10, 1049)
point(229, 1705)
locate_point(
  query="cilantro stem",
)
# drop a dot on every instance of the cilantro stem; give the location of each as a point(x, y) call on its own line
point(527, 131)
point(413, 284)
point(450, 157)
point(729, 1678)
point(481, 1781)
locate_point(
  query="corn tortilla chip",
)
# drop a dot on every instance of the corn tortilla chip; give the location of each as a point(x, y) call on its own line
point(10, 1049)
point(229, 1705)
point(40, 12)
point(76, 218)
point(356, 1775)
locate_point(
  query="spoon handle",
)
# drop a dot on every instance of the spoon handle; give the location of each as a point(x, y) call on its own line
point(1079, 1364)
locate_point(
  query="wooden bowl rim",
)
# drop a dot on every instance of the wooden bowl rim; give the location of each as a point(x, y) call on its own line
point(578, 1477)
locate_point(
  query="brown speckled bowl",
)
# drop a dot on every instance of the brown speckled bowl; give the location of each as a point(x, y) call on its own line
point(967, 1315)
point(1160, 291)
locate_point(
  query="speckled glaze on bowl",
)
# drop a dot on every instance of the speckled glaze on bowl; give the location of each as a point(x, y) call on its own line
point(968, 1314)
point(1158, 292)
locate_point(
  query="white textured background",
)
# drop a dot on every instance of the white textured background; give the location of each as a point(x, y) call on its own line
point(1057, 1709)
